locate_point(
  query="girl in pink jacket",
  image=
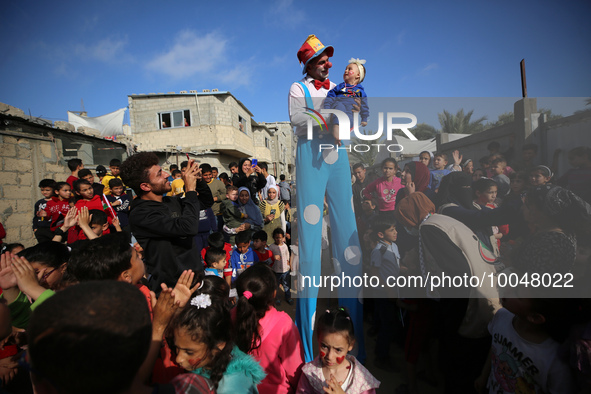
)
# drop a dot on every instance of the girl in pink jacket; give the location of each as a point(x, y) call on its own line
point(268, 335)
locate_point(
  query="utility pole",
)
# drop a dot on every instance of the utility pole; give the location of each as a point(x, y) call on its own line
point(523, 81)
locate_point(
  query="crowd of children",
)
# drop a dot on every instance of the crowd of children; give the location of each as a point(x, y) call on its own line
point(217, 329)
point(525, 219)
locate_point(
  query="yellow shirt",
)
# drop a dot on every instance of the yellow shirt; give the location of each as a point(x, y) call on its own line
point(105, 182)
point(177, 187)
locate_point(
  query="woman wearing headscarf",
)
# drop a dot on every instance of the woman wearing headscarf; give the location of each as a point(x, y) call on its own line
point(558, 219)
point(419, 175)
point(254, 219)
point(249, 177)
point(446, 245)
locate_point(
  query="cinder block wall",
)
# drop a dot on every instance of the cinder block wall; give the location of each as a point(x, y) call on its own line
point(23, 163)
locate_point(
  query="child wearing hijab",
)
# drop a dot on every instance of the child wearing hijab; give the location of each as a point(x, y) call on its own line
point(271, 209)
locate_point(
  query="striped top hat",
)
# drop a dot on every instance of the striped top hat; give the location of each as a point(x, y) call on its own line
point(312, 48)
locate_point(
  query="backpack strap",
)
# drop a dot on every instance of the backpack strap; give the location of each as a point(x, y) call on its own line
point(309, 102)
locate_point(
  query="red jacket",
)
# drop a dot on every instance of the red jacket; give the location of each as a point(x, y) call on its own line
point(95, 203)
point(57, 210)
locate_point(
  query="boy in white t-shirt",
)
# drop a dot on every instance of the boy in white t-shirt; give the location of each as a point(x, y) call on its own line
point(524, 357)
point(281, 264)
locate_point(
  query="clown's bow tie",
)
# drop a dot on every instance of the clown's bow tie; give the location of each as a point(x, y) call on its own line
point(324, 84)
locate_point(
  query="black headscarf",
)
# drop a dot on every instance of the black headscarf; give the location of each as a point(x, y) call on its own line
point(254, 182)
point(455, 188)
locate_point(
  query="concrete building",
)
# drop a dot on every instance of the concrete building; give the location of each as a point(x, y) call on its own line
point(211, 125)
point(283, 149)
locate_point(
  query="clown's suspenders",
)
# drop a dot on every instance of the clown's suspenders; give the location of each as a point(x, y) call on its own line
point(309, 102)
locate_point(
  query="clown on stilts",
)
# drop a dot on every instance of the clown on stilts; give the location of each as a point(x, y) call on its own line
point(319, 173)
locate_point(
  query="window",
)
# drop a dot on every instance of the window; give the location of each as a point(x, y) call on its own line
point(267, 143)
point(181, 118)
point(242, 124)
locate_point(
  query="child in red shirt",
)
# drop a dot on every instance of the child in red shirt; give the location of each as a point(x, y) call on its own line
point(59, 204)
point(259, 245)
point(91, 201)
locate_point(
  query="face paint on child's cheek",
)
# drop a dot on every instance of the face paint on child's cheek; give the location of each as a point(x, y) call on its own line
point(322, 354)
point(340, 359)
point(194, 362)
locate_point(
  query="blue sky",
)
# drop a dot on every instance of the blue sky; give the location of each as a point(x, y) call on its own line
point(56, 53)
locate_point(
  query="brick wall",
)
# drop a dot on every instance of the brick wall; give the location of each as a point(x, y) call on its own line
point(23, 163)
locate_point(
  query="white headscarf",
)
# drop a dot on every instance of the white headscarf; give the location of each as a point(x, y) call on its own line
point(276, 199)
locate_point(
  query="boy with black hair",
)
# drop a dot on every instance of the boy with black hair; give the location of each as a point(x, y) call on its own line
point(497, 169)
point(233, 168)
point(243, 256)
point(171, 170)
point(216, 262)
point(385, 263)
point(74, 165)
point(216, 241)
point(281, 264)
point(89, 200)
point(91, 318)
point(86, 174)
point(231, 213)
point(120, 201)
point(439, 164)
point(270, 180)
point(94, 223)
point(114, 166)
point(259, 245)
point(225, 179)
point(59, 205)
point(526, 346)
point(109, 257)
point(101, 171)
point(41, 220)
point(215, 172)
point(218, 191)
point(178, 185)
point(362, 180)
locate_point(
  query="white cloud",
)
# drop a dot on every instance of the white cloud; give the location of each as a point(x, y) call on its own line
point(427, 69)
point(204, 56)
point(107, 50)
point(283, 13)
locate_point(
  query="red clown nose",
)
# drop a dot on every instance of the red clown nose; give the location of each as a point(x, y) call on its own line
point(328, 65)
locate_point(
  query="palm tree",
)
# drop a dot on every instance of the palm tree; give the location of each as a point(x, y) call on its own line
point(504, 118)
point(549, 115)
point(367, 158)
point(460, 123)
point(424, 131)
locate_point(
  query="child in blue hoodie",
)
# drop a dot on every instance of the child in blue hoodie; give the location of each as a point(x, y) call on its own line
point(342, 96)
point(243, 256)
